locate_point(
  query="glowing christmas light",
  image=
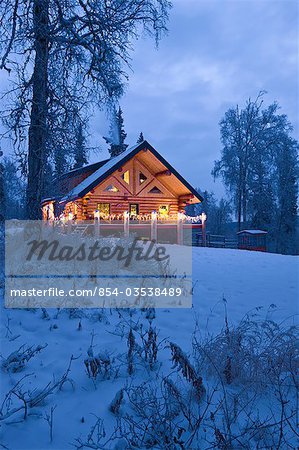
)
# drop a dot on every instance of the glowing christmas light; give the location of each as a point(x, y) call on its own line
point(203, 217)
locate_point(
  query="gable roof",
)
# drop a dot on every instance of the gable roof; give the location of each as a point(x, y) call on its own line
point(112, 164)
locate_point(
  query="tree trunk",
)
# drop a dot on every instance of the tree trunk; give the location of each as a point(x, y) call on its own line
point(239, 209)
point(2, 196)
point(38, 117)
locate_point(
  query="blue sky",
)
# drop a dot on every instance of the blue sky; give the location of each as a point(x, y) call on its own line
point(217, 54)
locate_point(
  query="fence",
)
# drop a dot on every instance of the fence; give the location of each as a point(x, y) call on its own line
point(213, 240)
point(163, 231)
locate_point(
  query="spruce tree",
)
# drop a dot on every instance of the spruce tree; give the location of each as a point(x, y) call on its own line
point(117, 134)
point(287, 194)
point(264, 208)
point(80, 150)
point(13, 190)
point(60, 164)
point(140, 138)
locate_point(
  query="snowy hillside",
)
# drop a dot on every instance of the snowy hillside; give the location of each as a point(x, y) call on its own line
point(186, 388)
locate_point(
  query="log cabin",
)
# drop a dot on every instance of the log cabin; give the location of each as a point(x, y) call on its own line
point(138, 181)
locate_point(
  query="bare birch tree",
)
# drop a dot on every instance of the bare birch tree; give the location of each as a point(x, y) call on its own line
point(238, 135)
point(252, 139)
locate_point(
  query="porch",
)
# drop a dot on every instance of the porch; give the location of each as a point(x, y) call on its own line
point(179, 229)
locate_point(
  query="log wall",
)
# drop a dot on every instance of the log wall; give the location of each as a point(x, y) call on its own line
point(149, 194)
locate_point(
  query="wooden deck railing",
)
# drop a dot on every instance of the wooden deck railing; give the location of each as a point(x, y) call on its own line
point(144, 228)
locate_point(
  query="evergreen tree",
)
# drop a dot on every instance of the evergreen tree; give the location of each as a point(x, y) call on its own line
point(60, 163)
point(140, 138)
point(261, 199)
point(208, 204)
point(13, 191)
point(263, 207)
point(287, 194)
point(117, 134)
point(222, 216)
point(50, 188)
point(218, 212)
point(121, 131)
point(80, 151)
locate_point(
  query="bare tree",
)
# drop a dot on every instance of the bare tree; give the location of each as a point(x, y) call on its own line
point(252, 138)
point(238, 131)
point(61, 51)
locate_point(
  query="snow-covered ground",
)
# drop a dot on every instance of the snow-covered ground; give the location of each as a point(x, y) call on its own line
point(240, 281)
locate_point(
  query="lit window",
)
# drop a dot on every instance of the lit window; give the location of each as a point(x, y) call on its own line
point(164, 210)
point(134, 209)
point(111, 188)
point(126, 176)
point(104, 209)
point(142, 178)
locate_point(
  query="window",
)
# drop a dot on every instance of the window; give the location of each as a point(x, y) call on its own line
point(104, 209)
point(155, 190)
point(126, 176)
point(164, 210)
point(134, 209)
point(111, 188)
point(142, 178)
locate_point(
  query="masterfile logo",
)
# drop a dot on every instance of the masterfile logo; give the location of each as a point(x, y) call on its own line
point(82, 251)
point(47, 266)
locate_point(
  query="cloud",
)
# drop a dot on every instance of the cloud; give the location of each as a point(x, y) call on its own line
point(217, 54)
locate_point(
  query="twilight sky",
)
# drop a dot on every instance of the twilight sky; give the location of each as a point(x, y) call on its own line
point(217, 54)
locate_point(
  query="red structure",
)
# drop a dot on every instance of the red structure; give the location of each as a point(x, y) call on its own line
point(252, 240)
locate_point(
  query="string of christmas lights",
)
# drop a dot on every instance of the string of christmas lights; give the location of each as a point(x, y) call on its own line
point(194, 219)
point(140, 217)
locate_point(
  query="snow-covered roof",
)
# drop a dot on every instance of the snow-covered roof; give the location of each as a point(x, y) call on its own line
point(79, 170)
point(252, 232)
point(111, 165)
point(48, 199)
